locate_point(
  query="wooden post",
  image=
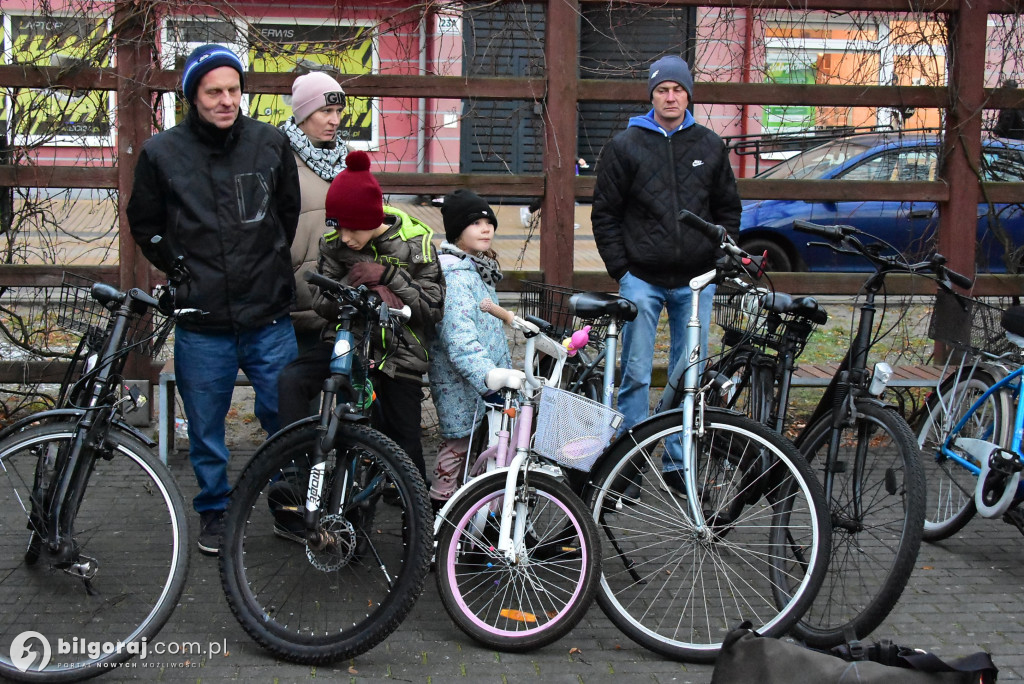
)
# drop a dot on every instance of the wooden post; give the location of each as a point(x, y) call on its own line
point(958, 222)
point(962, 139)
point(561, 53)
point(135, 57)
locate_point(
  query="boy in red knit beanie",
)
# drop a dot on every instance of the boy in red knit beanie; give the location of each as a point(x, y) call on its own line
point(368, 243)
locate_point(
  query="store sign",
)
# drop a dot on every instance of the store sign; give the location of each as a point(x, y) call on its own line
point(59, 112)
point(277, 47)
point(783, 118)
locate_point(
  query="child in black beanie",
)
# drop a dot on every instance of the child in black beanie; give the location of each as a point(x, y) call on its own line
point(469, 342)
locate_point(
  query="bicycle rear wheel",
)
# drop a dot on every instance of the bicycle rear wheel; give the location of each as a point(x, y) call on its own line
point(315, 605)
point(950, 487)
point(679, 590)
point(131, 523)
point(752, 387)
point(545, 592)
point(877, 514)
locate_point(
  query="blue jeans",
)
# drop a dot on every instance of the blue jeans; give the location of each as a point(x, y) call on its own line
point(205, 367)
point(638, 345)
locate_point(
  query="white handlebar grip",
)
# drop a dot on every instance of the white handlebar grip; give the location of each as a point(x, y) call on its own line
point(487, 306)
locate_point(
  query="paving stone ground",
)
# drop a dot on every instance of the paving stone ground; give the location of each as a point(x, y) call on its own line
point(964, 596)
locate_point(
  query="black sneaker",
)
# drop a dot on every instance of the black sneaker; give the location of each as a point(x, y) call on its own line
point(286, 505)
point(210, 531)
point(676, 482)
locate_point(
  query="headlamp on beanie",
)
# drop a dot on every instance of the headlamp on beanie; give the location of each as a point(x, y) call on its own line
point(354, 200)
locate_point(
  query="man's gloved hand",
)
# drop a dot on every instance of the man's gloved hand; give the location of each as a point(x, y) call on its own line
point(366, 273)
point(166, 302)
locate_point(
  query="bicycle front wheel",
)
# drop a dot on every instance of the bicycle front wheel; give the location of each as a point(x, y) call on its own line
point(535, 599)
point(877, 514)
point(950, 494)
point(679, 589)
point(62, 622)
point(345, 593)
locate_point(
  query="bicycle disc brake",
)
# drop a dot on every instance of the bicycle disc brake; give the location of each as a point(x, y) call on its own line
point(338, 544)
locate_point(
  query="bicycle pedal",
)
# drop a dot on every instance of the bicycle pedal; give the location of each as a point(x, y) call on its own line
point(1016, 518)
point(86, 568)
point(1005, 462)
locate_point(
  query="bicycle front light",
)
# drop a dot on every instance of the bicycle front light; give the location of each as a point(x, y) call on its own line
point(880, 378)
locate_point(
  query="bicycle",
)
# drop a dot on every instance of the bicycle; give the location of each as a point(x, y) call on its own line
point(970, 411)
point(745, 540)
point(518, 555)
point(94, 533)
point(327, 539)
point(867, 453)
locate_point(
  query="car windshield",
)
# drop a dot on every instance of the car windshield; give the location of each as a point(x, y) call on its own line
point(817, 162)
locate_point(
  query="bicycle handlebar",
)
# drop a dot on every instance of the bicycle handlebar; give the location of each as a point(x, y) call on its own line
point(958, 279)
point(735, 255)
point(506, 316)
point(842, 239)
point(362, 297)
point(536, 341)
point(712, 231)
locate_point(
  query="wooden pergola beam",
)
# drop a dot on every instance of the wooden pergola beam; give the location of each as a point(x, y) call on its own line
point(529, 89)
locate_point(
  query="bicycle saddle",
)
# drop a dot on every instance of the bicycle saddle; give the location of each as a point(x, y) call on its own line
point(802, 307)
point(1013, 320)
point(598, 304)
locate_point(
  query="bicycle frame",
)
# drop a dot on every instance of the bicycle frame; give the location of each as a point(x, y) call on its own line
point(1011, 382)
point(611, 350)
point(331, 417)
point(690, 389)
point(847, 386)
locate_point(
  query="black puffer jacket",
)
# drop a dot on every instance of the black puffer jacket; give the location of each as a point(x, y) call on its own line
point(228, 200)
point(644, 178)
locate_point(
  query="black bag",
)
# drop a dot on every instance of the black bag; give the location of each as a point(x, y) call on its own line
point(746, 657)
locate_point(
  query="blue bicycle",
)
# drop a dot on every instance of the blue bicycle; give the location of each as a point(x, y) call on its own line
point(970, 431)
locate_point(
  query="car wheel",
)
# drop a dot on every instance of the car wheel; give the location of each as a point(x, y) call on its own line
point(778, 258)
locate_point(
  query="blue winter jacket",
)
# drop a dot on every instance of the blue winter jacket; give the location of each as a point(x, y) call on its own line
point(469, 343)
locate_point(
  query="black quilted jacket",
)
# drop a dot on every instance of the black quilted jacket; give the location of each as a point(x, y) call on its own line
point(229, 202)
point(644, 178)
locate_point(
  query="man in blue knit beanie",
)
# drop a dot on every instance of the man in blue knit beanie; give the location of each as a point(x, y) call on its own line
point(222, 191)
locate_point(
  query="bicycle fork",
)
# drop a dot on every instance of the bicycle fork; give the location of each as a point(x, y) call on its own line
point(515, 504)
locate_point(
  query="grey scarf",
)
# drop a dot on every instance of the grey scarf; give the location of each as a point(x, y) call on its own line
point(486, 267)
point(326, 162)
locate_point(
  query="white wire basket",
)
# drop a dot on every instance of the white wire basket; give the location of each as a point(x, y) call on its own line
point(573, 430)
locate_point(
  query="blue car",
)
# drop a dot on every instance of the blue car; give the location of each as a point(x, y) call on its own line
point(909, 226)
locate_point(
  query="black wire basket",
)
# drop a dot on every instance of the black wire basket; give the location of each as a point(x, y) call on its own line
point(969, 325)
point(738, 310)
point(551, 303)
point(739, 313)
point(79, 311)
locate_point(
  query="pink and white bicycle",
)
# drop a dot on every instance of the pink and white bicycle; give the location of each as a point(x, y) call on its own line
point(518, 554)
